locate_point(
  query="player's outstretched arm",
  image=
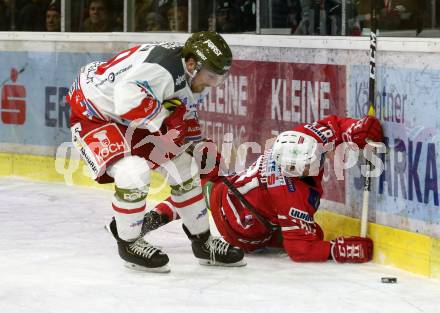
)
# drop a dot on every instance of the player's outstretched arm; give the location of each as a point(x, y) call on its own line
point(362, 131)
point(341, 250)
point(303, 241)
point(347, 129)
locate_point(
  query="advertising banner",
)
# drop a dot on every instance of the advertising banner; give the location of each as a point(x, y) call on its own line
point(260, 99)
point(257, 101)
point(407, 103)
point(33, 87)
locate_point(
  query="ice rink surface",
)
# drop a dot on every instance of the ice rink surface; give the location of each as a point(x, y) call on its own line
point(55, 256)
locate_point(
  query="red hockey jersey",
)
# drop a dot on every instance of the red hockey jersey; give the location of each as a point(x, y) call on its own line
point(289, 202)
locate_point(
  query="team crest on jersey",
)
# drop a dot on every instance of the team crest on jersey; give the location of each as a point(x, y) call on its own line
point(180, 80)
point(144, 86)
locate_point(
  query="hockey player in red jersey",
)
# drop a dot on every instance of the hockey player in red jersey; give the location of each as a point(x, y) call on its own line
point(133, 114)
point(273, 202)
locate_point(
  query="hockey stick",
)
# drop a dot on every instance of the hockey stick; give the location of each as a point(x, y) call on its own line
point(271, 227)
point(371, 112)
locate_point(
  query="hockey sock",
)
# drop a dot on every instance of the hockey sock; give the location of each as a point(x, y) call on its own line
point(191, 208)
point(129, 217)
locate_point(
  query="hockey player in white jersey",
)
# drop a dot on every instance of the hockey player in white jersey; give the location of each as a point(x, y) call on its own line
point(132, 114)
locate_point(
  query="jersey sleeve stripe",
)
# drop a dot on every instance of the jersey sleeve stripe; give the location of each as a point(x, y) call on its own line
point(153, 114)
point(287, 228)
point(248, 186)
point(145, 86)
point(234, 211)
point(92, 109)
point(193, 138)
point(89, 106)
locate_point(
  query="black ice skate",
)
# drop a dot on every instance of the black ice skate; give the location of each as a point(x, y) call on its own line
point(214, 251)
point(139, 254)
point(152, 221)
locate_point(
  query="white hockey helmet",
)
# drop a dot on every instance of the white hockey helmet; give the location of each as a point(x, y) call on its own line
point(297, 154)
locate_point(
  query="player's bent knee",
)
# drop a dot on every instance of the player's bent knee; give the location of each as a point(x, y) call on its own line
point(180, 169)
point(132, 178)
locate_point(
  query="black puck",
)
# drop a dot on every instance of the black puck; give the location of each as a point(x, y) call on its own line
point(389, 280)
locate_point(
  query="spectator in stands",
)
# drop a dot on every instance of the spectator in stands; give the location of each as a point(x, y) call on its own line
point(320, 17)
point(4, 22)
point(151, 15)
point(154, 22)
point(310, 15)
point(178, 18)
point(53, 17)
point(331, 18)
point(227, 18)
point(142, 9)
point(392, 15)
point(100, 17)
point(398, 15)
point(32, 16)
point(248, 14)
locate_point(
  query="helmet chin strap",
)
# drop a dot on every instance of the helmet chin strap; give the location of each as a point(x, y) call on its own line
point(188, 75)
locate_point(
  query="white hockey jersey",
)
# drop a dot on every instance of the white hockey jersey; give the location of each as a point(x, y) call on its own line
point(133, 84)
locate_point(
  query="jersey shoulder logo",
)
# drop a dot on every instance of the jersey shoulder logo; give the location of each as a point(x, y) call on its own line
point(145, 87)
point(180, 80)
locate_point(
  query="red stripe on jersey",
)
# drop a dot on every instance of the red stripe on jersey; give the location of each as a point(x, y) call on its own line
point(128, 211)
point(288, 223)
point(187, 202)
point(147, 106)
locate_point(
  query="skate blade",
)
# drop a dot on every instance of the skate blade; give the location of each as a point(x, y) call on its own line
point(212, 263)
point(107, 228)
point(162, 269)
